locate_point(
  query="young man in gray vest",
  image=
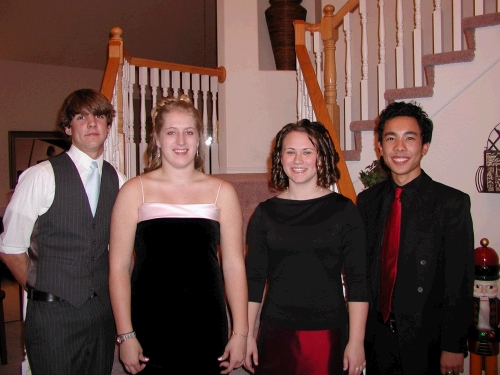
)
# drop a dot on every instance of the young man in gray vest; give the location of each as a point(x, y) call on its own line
point(55, 242)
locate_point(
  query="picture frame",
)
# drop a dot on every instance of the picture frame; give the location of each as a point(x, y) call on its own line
point(27, 148)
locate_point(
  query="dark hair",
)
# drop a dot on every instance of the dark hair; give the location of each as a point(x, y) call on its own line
point(410, 109)
point(163, 107)
point(51, 151)
point(84, 101)
point(327, 156)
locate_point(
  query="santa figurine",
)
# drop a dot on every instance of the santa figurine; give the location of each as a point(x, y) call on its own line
point(484, 333)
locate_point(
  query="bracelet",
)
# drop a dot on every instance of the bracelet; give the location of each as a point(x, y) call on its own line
point(239, 334)
point(125, 336)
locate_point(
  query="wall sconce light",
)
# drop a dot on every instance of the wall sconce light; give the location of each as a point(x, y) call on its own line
point(488, 175)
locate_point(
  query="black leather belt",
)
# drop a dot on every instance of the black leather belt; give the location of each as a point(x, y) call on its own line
point(38, 295)
point(391, 322)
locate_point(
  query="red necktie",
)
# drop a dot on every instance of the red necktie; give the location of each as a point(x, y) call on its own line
point(390, 249)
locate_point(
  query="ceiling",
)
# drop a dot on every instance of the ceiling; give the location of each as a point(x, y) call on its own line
point(75, 33)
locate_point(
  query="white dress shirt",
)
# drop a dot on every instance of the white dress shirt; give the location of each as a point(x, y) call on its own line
point(33, 196)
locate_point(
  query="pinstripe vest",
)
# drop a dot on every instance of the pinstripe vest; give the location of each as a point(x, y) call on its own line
point(69, 247)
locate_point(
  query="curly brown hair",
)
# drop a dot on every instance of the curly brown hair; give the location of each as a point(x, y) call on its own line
point(167, 105)
point(327, 156)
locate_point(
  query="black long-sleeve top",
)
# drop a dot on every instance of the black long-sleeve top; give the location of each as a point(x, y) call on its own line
point(300, 248)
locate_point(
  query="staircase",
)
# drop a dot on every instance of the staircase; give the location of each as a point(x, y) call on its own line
point(429, 63)
point(252, 188)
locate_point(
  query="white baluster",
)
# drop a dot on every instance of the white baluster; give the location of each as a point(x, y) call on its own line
point(309, 44)
point(318, 56)
point(381, 64)
point(400, 75)
point(186, 82)
point(165, 81)
point(348, 82)
point(176, 82)
point(457, 25)
point(214, 146)
point(126, 118)
point(300, 91)
point(131, 147)
point(143, 81)
point(417, 45)
point(207, 132)
point(111, 145)
point(154, 80)
point(195, 86)
point(437, 22)
point(478, 7)
point(364, 60)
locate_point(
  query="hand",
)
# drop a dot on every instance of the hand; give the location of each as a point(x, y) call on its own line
point(252, 355)
point(132, 357)
point(451, 363)
point(354, 358)
point(234, 354)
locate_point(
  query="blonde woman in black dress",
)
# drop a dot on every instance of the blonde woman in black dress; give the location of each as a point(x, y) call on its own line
point(168, 224)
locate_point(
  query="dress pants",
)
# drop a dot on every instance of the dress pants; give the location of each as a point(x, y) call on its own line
point(62, 339)
point(383, 355)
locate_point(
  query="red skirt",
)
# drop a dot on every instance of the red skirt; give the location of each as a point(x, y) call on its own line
point(290, 352)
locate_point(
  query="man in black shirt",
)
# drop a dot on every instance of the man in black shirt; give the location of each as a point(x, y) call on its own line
point(423, 328)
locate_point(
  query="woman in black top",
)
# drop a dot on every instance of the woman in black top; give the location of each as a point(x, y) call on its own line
point(298, 244)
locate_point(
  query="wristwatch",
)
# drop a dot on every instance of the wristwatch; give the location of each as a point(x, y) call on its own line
point(124, 337)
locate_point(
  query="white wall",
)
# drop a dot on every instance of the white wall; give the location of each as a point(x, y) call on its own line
point(258, 102)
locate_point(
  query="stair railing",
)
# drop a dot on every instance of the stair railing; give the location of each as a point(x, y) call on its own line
point(395, 26)
point(133, 85)
point(320, 102)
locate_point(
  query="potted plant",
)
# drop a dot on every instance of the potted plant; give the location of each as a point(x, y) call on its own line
point(374, 173)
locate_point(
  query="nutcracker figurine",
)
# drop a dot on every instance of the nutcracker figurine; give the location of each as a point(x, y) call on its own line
point(484, 332)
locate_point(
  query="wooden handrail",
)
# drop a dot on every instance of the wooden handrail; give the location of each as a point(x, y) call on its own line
point(114, 69)
point(344, 183)
point(121, 151)
point(328, 26)
point(325, 104)
point(219, 72)
point(116, 54)
point(115, 61)
point(109, 78)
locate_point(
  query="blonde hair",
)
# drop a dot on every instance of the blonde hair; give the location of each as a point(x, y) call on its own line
point(164, 106)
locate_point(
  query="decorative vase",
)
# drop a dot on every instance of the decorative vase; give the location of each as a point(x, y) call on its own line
point(279, 17)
